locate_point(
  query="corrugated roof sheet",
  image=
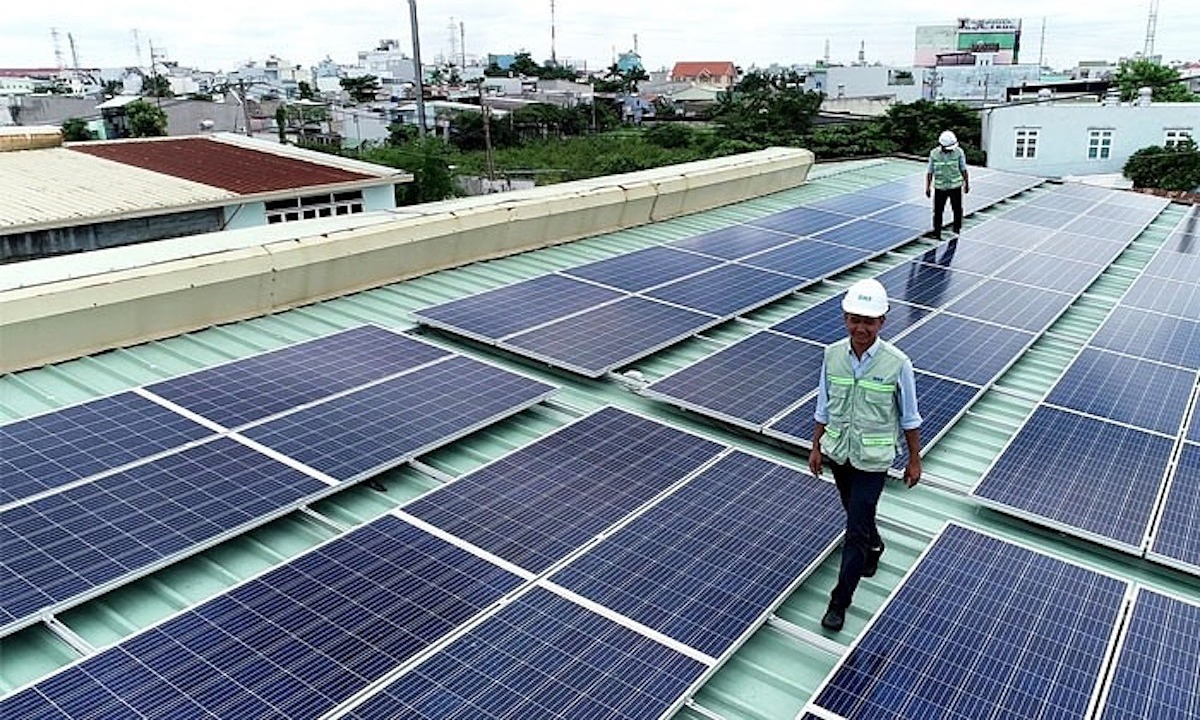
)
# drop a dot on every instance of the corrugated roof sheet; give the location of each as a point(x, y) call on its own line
point(237, 169)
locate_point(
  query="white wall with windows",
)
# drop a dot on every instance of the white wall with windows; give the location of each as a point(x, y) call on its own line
point(1055, 140)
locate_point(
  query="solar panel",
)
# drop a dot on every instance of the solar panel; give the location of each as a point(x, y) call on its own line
point(997, 231)
point(1086, 476)
point(898, 190)
point(868, 234)
point(969, 255)
point(256, 387)
point(1012, 304)
point(1094, 249)
point(495, 314)
point(963, 349)
point(797, 425)
point(1069, 276)
point(1165, 296)
point(707, 563)
point(1125, 389)
point(801, 221)
point(748, 382)
point(380, 426)
point(825, 323)
point(51, 450)
point(1177, 537)
point(644, 268)
point(909, 215)
point(1104, 229)
point(61, 549)
point(808, 259)
point(733, 242)
point(294, 642)
point(542, 502)
point(541, 656)
point(1193, 433)
point(853, 203)
point(726, 290)
point(981, 628)
point(1063, 202)
point(929, 285)
point(1157, 668)
point(1147, 334)
point(596, 341)
point(1123, 213)
point(1177, 259)
point(1039, 216)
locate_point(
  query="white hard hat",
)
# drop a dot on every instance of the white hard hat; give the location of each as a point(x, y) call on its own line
point(947, 139)
point(866, 298)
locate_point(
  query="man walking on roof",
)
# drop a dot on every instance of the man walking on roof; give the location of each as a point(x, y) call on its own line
point(948, 178)
point(866, 399)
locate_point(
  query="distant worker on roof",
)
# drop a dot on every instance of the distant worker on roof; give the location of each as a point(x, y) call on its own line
point(866, 399)
point(948, 179)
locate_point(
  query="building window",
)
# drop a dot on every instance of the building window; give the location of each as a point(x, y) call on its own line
point(1026, 143)
point(1177, 136)
point(314, 206)
point(1099, 144)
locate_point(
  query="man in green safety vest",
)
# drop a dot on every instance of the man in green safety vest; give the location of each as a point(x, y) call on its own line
point(948, 179)
point(866, 400)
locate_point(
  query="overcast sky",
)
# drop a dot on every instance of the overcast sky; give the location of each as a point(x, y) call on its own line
point(220, 34)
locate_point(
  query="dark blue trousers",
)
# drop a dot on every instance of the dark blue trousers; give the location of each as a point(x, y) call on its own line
point(860, 491)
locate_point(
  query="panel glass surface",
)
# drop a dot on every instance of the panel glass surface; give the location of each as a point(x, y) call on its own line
point(1039, 216)
point(1081, 473)
point(1181, 299)
point(963, 349)
point(929, 285)
point(853, 203)
point(748, 382)
point(596, 341)
point(1006, 303)
point(1084, 248)
point(1063, 202)
point(57, 448)
point(1193, 432)
point(542, 502)
point(60, 548)
point(898, 190)
point(1104, 229)
point(801, 221)
point(969, 255)
point(1046, 271)
point(256, 387)
point(726, 290)
point(909, 215)
point(540, 657)
point(292, 643)
point(707, 562)
point(808, 259)
point(644, 268)
point(996, 231)
point(825, 322)
point(1178, 259)
point(981, 628)
point(1147, 334)
point(510, 309)
point(1178, 533)
point(867, 234)
point(734, 242)
point(1126, 389)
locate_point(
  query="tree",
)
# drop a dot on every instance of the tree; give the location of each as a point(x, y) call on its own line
point(361, 89)
point(523, 64)
point(281, 124)
point(1166, 168)
point(75, 129)
point(767, 109)
point(145, 120)
point(112, 88)
point(305, 90)
point(157, 86)
point(1164, 82)
point(428, 159)
point(914, 127)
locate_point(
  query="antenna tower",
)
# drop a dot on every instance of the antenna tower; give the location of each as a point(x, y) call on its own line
point(553, 57)
point(453, 29)
point(74, 55)
point(58, 54)
point(1151, 24)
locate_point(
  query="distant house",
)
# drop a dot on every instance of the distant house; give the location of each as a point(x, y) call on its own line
point(720, 74)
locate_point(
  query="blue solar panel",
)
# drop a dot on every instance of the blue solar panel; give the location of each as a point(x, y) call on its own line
point(1006, 303)
point(704, 565)
point(733, 242)
point(748, 382)
point(544, 501)
point(1039, 270)
point(1106, 229)
point(808, 259)
point(981, 628)
point(541, 657)
point(1063, 202)
point(644, 268)
point(1165, 296)
point(801, 221)
point(726, 290)
point(380, 426)
point(1062, 468)
point(909, 215)
point(1178, 259)
point(1125, 389)
point(825, 323)
point(594, 342)
point(1178, 535)
point(1092, 249)
point(1150, 335)
point(1039, 216)
point(1157, 670)
point(510, 309)
point(51, 450)
point(292, 643)
point(251, 389)
point(898, 190)
point(963, 349)
point(1193, 432)
point(57, 550)
point(857, 204)
point(929, 285)
point(867, 234)
point(1017, 236)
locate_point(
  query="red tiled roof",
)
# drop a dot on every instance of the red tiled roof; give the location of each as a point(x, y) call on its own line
point(696, 69)
point(229, 167)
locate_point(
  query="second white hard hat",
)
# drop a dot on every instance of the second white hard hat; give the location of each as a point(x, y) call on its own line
point(947, 139)
point(867, 298)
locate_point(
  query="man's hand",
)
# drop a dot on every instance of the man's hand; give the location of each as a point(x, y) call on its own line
point(966, 188)
point(912, 471)
point(814, 460)
point(928, 192)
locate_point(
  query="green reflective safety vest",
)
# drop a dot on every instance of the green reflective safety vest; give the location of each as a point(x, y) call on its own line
point(864, 416)
point(946, 171)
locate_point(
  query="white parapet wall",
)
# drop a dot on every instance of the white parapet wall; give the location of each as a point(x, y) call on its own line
point(66, 307)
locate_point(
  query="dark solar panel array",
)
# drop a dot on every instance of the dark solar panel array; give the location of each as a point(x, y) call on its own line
point(981, 628)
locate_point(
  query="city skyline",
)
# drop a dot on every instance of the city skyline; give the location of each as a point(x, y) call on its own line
point(221, 35)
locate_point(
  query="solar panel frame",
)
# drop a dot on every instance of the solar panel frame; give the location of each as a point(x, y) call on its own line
point(981, 692)
point(642, 269)
point(1175, 538)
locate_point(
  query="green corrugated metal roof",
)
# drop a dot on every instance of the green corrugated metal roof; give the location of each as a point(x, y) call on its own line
point(777, 670)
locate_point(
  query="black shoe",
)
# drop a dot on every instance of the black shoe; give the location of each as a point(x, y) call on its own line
point(872, 565)
point(933, 235)
point(834, 618)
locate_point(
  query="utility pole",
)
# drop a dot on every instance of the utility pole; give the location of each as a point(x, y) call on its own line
point(553, 57)
point(462, 42)
point(1151, 24)
point(420, 80)
point(487, 134)
point(154, 74)
point(1042, 46)
point(241, 93)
